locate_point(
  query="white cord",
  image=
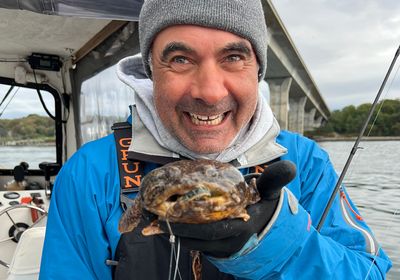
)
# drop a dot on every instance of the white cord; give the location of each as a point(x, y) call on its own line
point(177, 260)
point(170, 258)
point(174, 254)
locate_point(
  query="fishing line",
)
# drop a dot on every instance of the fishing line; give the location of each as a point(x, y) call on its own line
point(173, 254)
point(374, 121)
point(172, 242)
point(355, 147)
point(5, 107)
point(5, 96)
point(383, 101)
point(380, 247)
point(353, 151)
point(373, 262)
point(177, 259)
point(369, 132)
point(397, 210)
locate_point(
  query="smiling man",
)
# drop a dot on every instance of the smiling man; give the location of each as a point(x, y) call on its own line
point(197, 95)
point(196, 91)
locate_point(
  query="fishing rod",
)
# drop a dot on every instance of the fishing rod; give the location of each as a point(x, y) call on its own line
point(355, 147)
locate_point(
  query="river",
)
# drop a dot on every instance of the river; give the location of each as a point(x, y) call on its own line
point(11, 156)
point(372, 181)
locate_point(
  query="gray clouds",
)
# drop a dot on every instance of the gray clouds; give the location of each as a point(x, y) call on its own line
point(24, 102)
point(346, 45)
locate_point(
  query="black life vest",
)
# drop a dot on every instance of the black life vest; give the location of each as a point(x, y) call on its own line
point(141, 257)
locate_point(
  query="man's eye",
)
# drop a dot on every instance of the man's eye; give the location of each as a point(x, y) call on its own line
point(234, 58)
point(180, 60)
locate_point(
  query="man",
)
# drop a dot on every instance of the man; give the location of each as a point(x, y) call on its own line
point(205, 60)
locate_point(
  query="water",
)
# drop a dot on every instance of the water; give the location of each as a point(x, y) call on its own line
point(373, 182)
point(10, 156)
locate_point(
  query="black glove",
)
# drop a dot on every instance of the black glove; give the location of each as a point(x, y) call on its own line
point(228, 236)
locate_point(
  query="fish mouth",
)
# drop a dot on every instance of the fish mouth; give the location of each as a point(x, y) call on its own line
point(200, 204)
point(211, 120)
point(195, 194)
point(181, 198)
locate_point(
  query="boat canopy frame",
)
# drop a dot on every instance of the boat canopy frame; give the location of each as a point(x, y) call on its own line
point(104, 9)
point(58, 122)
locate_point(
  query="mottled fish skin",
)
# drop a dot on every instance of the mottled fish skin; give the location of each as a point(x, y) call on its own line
point(131, 217)
point(193, 191)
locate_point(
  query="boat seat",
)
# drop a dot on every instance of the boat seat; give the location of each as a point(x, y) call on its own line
point(25, 264)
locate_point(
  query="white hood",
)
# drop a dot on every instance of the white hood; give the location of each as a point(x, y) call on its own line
point(262, 126)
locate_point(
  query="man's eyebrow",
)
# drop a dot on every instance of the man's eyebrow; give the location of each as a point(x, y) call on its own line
point(240, 47)
point(173, 47)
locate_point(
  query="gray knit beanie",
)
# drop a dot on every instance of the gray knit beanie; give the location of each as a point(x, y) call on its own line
point(244, 18)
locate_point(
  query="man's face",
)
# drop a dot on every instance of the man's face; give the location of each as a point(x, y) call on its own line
point(205, 85)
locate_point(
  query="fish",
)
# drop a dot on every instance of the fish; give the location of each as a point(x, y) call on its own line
point(191, 191)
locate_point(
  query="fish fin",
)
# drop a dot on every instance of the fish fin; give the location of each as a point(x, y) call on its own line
point(255, 195)
point(131, 218)
point(152, 229)
point(245, 216)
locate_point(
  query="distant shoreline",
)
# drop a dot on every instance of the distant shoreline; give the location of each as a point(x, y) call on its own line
point(353, 138)
point(31, 142)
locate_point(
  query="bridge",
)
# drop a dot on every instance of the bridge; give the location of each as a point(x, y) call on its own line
point(294, 96)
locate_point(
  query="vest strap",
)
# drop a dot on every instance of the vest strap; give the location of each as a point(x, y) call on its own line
point(130, 172)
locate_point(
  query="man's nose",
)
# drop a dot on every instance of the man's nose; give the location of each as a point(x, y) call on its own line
point(209, 84)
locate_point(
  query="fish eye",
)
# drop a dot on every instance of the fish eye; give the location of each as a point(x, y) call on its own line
point(211, 172)
point(173, 198)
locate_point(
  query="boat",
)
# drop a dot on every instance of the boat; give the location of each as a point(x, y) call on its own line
point(57, 64)
point(57, 69)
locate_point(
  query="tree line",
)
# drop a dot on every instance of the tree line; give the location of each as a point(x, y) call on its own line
point(31, 127)
point(348, 121)
point(345, 122)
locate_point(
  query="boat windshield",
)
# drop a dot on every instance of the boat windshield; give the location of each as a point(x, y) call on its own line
point(27, 133)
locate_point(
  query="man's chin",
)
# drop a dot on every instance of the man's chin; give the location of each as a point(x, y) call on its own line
point(206, 147)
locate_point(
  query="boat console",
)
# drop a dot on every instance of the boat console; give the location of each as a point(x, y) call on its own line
point(24, 202)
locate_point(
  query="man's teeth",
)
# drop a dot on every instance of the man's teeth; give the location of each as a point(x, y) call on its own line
point(206, 120)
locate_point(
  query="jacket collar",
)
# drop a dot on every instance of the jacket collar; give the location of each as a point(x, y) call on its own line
point(144, 147)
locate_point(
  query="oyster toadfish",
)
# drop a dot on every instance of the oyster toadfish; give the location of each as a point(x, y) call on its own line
point(192, 191)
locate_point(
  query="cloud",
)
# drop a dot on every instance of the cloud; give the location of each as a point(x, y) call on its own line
point(23, 101)
point(346, 45)
point(102, 95)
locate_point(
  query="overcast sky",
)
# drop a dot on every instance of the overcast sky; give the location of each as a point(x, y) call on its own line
point(104, 89)
point(347, 45)
point(22, 101)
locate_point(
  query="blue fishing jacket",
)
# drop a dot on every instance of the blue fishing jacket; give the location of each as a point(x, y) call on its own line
point(82, 228)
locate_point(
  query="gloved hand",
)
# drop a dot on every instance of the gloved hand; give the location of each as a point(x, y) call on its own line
point(228, 236)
